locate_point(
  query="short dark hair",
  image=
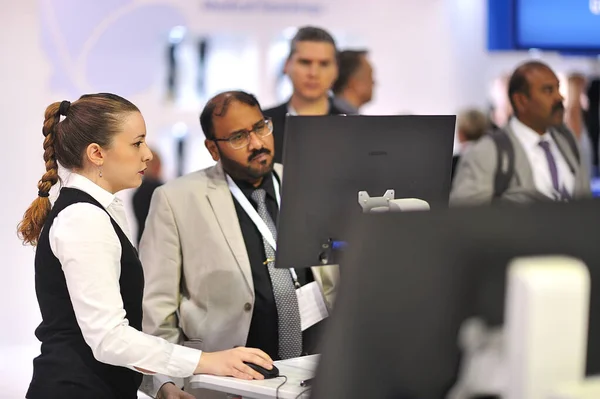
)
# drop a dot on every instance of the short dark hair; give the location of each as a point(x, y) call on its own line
point(518, 81)
point(218, 105)
point(348, 64)
point(311, 34)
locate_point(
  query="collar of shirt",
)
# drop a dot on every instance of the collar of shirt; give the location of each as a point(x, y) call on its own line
point(113, 204)
point(82, 183)
point(538, 161)
point(293, 112)
point(266, 184)
point(529, 138)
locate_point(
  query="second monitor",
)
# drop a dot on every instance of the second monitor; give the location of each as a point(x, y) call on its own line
point(328, 160)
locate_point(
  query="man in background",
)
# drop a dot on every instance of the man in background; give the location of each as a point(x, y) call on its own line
point(472, 125)
point(534, 158)
point(354, 85)
point(143, 194)
point(312, 68)
point(501, 108)
point(575, 114)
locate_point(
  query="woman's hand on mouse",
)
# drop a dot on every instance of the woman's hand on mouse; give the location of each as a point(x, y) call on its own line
point(230, 363)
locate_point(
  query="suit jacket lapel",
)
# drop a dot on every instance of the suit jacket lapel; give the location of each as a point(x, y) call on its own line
point(581, 187)
point(522, 167)
point(222, 204)
point(565, 151)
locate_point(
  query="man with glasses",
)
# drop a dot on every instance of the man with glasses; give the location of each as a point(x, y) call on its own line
point(208, 262)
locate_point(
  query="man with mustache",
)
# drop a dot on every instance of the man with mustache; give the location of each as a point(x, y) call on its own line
point(535, 154)
point(210, 275)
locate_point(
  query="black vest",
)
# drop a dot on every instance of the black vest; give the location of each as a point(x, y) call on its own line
point(66, 367)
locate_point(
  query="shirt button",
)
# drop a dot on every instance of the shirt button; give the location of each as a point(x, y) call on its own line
point(247, 307)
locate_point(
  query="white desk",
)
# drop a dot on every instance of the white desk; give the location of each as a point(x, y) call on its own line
point(295, 370)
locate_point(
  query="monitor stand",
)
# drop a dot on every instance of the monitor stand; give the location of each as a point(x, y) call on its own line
point(387, 203)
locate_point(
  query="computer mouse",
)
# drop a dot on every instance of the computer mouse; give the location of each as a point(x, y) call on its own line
point(274, 372)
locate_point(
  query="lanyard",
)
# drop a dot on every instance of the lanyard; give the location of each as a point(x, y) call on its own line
point(255, 217)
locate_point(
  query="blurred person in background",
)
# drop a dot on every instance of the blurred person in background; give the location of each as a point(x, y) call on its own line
point(575, 117)
point(354, 85)
point(472, 124)
point(501, 108)
point(312, 68)
point(143, 194)
point(593, 117)
point(534, 158)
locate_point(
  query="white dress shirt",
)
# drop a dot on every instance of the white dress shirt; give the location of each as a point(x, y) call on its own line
point(542, 178)
point(88, 248)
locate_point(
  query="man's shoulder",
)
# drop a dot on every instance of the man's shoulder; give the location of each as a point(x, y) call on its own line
point(338, 106)
point(276, 110)
point(192, 181)
point(484, 145)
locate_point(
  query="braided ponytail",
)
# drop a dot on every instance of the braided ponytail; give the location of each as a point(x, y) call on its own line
point(34, 218)
point(93, 118)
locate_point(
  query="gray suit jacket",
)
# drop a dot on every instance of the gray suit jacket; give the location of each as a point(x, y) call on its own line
point(198, 278)
point(198, 281)
point(474, 180)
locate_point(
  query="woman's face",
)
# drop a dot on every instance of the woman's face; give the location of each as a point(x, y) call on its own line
point(125, 160)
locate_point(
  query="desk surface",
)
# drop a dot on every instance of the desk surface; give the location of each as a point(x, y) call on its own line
point(295, 370)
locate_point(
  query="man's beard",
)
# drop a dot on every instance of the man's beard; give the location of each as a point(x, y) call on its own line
point(247, 172)
point(557, 110)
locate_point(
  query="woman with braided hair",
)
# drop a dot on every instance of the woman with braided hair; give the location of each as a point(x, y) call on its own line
point(89, 280)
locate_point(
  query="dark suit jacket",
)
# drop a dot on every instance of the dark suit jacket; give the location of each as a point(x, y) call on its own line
point(592, 118)
point(141, 202)
point(277, 115)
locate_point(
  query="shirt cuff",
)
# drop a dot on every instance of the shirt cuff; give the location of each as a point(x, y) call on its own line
point(184, 361)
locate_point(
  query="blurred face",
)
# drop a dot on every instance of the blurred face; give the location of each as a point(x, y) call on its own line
point(575, 90)
point(363, 82)
point(252, 161)
point(124, 162)
point(577, 83)
point(154, 168)
point(502, 109)
point(312, 69)
point(543, 106)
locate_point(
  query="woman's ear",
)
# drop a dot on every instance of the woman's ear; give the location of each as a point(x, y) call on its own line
point(95, 154)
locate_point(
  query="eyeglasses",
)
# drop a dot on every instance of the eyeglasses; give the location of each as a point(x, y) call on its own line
point(241, 139)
